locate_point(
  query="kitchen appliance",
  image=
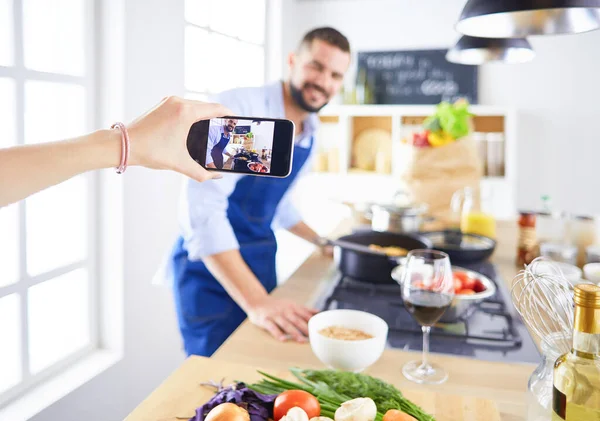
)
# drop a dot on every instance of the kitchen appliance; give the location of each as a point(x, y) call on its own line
point(364, 266)
point(399, 219)
point(490, 330)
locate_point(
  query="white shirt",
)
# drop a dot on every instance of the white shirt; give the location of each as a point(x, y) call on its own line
point(203, 206)
point(214, 137)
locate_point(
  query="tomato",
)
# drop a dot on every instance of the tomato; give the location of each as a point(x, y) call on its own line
point(462, 276)
point(291, 398)
point(457, 285)
point(466, 291)
point(469, 283)
point(479, 287)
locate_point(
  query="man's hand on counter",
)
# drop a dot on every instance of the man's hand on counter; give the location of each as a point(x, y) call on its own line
point(284, 319)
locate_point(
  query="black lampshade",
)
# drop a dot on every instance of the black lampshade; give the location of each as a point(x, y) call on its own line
point(521, 18)
point(473, 50)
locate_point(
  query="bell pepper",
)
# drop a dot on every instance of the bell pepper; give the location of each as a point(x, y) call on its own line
point(440, 138)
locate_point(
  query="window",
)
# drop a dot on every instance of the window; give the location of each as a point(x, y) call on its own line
point(47, 310)
point(224, 45)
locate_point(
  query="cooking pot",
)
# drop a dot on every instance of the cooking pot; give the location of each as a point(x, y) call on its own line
point(398, 219)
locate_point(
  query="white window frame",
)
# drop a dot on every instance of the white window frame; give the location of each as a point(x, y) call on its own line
point(269, 6)
point(20, 74)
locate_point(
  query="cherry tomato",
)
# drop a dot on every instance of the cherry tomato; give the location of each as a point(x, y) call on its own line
point(466, 292)
point(457, 285)
point(479, 287)
point(469, 283)
point(291, 398)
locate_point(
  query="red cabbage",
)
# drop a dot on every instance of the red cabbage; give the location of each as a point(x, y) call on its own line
point(259, 406)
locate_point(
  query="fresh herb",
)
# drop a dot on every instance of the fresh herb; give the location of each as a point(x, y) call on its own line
point(385, 395)
point(332, 388)
point(258, 405)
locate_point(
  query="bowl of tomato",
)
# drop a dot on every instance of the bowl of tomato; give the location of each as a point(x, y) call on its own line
point(470, 288)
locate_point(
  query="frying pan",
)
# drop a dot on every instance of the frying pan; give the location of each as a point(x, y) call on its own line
point(355, 260)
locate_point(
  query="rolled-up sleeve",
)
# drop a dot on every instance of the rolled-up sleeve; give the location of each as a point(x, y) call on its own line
point(205, 226)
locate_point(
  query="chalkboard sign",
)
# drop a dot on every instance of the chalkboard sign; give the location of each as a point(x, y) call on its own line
point(242, 129)
point(417, 77)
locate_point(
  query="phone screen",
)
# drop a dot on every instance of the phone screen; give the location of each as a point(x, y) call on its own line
point(256, 146)
point(240, 145)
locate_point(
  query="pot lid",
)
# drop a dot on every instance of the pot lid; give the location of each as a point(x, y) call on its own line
point(413, 210)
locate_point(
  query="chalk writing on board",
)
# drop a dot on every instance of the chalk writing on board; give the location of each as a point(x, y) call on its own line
point(417, 77)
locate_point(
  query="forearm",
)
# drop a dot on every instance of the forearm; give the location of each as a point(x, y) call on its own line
point(235, 276)
point(27, 169)
point(305, 232)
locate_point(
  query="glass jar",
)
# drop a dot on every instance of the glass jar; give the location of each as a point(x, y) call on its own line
point(593, 254)
point(474, 208)
point(527, 248)
point(539, 387)
point(565, 253)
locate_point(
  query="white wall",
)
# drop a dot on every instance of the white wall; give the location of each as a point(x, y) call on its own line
point(154, 69)
point(264, 136)
point(556, 94)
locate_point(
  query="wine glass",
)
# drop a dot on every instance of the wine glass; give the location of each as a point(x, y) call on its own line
point(427, 291)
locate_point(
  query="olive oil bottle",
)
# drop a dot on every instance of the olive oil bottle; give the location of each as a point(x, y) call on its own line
point(576, 392)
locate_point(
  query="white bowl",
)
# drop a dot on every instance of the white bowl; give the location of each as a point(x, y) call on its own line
point(591, 272)
point(571, 272)
point(348, 355)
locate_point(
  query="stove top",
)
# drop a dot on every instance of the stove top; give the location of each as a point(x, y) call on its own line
point(489, 331)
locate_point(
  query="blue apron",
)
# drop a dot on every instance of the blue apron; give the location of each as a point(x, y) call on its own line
point(205, 312)
point(217, 151)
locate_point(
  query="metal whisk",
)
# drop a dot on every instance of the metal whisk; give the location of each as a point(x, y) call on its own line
point(543, 296)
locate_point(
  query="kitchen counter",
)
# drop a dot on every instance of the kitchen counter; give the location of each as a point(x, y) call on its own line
point(503, 383)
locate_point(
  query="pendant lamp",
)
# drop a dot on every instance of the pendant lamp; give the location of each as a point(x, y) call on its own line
point(474, 51)
point(521, 18)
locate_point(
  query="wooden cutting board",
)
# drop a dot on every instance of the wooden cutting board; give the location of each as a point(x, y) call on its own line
point(179, 396)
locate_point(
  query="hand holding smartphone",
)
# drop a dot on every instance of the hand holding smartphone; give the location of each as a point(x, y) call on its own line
point(244, 145)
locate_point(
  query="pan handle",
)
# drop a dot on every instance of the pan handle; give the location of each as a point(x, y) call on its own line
point(355, 247)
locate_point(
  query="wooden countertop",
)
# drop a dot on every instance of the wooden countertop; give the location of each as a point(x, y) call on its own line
point(504, 383)
point(501, 382)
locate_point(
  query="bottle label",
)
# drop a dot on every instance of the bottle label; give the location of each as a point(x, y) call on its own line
point(559, 404)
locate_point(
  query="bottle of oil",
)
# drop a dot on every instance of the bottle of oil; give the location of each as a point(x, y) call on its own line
point(576, 392)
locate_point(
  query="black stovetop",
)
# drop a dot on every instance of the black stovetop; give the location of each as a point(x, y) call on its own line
point(490, 331)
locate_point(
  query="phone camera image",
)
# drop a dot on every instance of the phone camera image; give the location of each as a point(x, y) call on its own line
point(244, 146)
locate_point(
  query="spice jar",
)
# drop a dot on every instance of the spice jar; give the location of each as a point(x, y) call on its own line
point(527, 247)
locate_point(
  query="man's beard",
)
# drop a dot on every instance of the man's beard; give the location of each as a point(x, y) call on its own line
point(299, 98)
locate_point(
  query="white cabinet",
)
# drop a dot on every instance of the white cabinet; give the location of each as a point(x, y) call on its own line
point(342, 173)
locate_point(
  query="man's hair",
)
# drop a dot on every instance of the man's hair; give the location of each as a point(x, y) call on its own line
point(329, 35)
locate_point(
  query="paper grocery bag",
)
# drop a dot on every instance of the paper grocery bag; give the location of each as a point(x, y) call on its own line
point(432, 175)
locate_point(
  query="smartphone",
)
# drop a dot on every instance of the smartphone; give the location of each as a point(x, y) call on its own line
point(244, 145)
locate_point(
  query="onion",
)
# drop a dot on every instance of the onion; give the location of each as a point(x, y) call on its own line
point(359, 409)
point(227, 412)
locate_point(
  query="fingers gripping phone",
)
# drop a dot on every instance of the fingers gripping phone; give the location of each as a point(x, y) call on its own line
point(245, 145)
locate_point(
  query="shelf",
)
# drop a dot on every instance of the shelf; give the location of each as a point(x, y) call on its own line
point(410, 110)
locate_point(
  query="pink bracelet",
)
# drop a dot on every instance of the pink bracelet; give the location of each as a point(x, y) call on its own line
point(124, 147)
